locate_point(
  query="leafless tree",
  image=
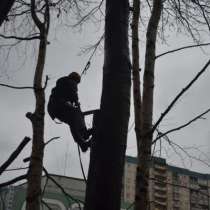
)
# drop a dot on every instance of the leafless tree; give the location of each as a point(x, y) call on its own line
point(106, 169)
point(187, 16)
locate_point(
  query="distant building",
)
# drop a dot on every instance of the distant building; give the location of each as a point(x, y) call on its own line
point(171, 188)
point(14, 198)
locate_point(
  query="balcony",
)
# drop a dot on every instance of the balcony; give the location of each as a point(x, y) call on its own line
point(160, 167)
point(160, 186)
point(161, 196)
point(160, 203)
point(176, 204)
point(159, 173)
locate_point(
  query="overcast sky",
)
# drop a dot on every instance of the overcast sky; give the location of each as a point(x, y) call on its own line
point(173, 72)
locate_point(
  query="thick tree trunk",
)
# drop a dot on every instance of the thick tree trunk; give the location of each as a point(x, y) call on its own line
point(5, 7)
point(109, 143)
point(37, 119)
point(144, 157)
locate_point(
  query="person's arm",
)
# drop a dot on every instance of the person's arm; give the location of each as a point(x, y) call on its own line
point(73, 91)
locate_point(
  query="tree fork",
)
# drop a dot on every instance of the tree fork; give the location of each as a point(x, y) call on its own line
point(144, 156)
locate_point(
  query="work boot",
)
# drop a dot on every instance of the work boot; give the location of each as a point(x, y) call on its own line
point(84, 145)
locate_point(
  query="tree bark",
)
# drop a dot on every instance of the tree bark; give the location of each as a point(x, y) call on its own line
point(144, 156)
point(5, 7)
point(136, 71)
point(37, 118)
point(109, 142)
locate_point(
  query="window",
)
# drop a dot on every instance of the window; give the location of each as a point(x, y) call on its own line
point(193, 180)
point(175, 177)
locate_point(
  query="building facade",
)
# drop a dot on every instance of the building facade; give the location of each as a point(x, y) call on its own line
point(70, 197)
point(170, 188)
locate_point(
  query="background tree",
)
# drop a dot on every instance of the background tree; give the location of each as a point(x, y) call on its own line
point(35, 17)
point(109, 141)
point(178, 15)
point(37, 118)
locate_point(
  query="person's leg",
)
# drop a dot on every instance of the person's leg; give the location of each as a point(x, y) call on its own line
point(78, 129)
point(86, 133)
point(72, 117)
point(84, 145)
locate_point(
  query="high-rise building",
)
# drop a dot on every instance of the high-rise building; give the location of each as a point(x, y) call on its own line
point(58, 193)
point(170, 187)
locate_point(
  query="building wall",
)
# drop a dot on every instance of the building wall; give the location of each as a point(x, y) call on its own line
point(170, 187)
point(53, 196)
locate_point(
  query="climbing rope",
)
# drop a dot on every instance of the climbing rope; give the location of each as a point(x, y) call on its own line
point(82, 168)
point(87, 66)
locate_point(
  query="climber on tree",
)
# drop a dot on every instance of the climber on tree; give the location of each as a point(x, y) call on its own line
point(64, 105)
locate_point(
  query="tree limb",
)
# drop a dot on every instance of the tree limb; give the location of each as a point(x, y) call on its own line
point(35, 18)
point(52, 139)
point(180, 94)
point(16, 87)
point(180, 127)
point(29, 38)
point(46, 204)
point(60, 187)
point(14, 155)
point(182, 48)
point(17, 179)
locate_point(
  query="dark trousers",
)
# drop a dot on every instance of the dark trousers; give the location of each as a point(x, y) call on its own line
point(73, 117)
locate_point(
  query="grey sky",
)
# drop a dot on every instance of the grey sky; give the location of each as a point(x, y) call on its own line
point(61, 157)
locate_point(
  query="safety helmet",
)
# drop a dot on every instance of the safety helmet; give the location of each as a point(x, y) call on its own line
point(75, 76)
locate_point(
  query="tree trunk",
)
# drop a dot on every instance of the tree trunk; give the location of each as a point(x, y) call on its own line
point(144, 157)
point(33, 196)
point(109, 144)
point(37, 119)
point(136, 70)
point(5, 7)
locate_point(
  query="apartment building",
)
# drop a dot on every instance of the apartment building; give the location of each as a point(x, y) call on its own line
point(14, 197)
point(170, 188)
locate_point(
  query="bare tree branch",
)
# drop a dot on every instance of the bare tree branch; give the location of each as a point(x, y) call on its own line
point(46, 204)
point(94, 47)
point(46, 81)
point(28, 38)
point(16, 169)
point(52, 139)
point(16, 87)
point(61, 188)
point(14, 155)
point(89, 14)
point(38, 23)
point(182, 48)
point(192, 157)
point(180, 127)
point(180, 94)
point(17, 179)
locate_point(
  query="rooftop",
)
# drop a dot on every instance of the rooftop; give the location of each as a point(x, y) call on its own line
point(178, 170)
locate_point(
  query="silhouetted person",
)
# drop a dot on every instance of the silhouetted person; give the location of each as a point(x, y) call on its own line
point(64, 105)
